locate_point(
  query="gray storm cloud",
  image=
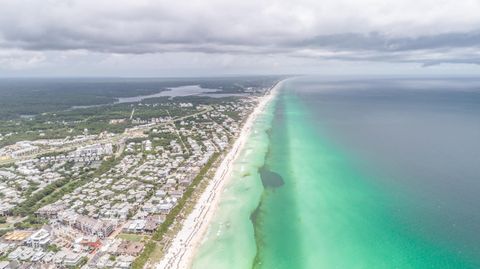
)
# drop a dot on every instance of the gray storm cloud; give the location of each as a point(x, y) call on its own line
point(422, 31)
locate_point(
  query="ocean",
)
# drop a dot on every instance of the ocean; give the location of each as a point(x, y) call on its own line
point(355, 173)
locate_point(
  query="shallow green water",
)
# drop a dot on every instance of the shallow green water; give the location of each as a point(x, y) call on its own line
point(321, 206)
point(230, 240)
point(329, 215)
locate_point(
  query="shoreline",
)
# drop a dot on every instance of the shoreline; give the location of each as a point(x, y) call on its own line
point(183, 247)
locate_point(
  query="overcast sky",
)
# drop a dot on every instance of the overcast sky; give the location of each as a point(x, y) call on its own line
point(213, 37)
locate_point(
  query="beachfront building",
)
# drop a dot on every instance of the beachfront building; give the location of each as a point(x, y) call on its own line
point(92, 226)
point(154, 167)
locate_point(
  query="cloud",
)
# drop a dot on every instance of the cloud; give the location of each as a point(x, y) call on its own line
point(18, 60)
point(422, 31)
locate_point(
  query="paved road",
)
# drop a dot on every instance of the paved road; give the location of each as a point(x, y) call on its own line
point(118, 139)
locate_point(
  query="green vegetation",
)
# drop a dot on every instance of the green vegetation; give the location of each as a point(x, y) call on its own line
point(107, 165)
point(52, 154)
point(31, 222)
point(36, 96)
point(170, 218)
point(53, 248)
point(4, 231)
point(61, 123)
point(31, 188)
point(141, 260)
point(82, 262)
point(152, 244)
point(45, 95)
point(57, 189)
point(32, 203)
point(132, 237)
point(49, 102)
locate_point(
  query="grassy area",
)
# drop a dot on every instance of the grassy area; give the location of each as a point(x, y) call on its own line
point(6, 225)
point(133, 237)
point(141, 260)
point(156, 254)
point(4, 231)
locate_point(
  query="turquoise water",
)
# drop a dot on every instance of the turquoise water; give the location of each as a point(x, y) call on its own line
point(356, 174)
point(230, 240)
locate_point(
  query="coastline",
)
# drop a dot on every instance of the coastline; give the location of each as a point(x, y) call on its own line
point(182, 249)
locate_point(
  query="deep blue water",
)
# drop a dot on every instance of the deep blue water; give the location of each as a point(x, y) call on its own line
point(420, 138)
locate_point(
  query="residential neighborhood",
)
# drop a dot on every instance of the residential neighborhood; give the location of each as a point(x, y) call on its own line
point(95, 200)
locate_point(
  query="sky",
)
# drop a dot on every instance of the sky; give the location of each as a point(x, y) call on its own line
point(217, 37)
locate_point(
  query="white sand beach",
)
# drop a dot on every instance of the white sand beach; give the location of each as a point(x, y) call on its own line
point(182, 249)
